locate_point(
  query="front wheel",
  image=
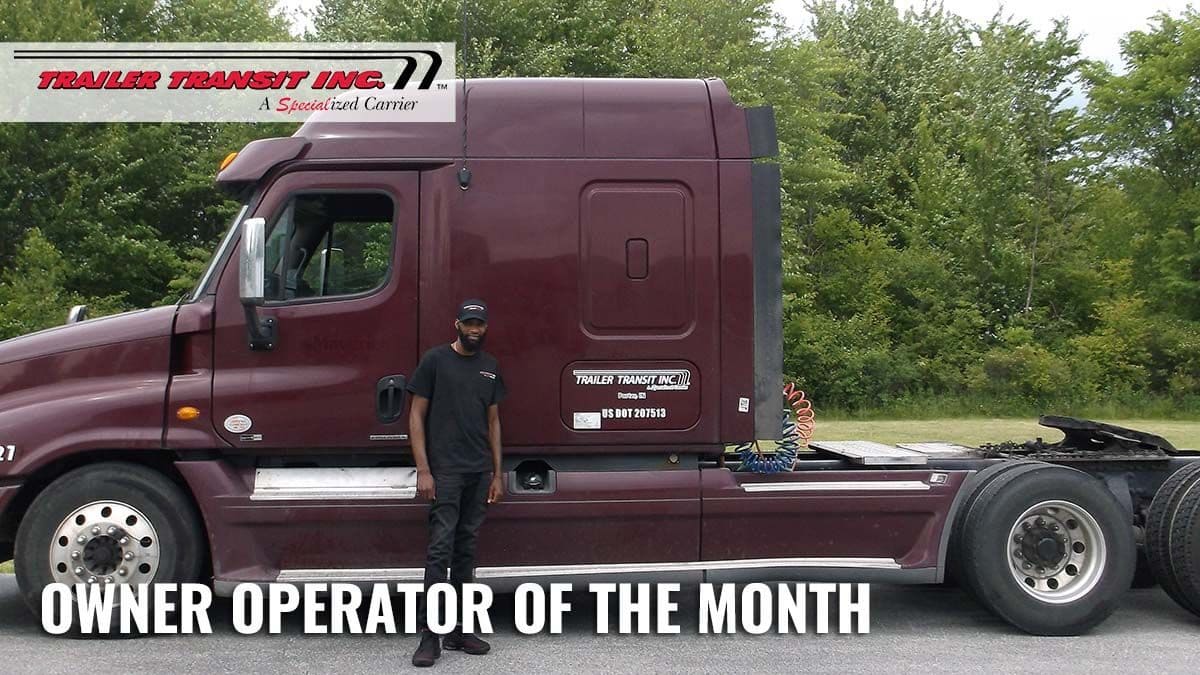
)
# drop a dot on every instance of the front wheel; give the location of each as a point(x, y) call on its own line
point(1049, 550)
point(110, 523)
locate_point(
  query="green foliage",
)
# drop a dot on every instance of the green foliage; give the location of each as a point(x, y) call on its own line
point(1147, 133)
point(124, 206)
point(994, 244)
point(956, 238)
point(33, 293)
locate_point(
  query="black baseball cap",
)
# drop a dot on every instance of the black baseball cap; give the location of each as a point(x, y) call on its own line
point(472, 309)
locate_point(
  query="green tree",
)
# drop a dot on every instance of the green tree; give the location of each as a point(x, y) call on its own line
point(121, 202)
point(1147, 126)
point(964, 165)
point(33, 293)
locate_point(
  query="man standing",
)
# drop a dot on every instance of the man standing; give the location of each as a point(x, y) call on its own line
point(455, 429)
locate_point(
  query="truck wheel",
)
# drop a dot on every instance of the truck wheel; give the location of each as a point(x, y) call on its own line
point(954, 567)
point(1173, 537)
point(110, 523)
point(1048, 549)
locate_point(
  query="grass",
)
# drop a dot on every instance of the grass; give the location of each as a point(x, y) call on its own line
point(945, 407)
point(6, 567)
point(973, 431)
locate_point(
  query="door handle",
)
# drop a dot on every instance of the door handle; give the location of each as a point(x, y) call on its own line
point(389, 398)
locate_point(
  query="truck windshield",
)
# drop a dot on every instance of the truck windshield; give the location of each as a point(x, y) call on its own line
point(226, 241)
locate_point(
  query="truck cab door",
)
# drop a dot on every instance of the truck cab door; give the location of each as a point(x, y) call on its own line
point(341, 292)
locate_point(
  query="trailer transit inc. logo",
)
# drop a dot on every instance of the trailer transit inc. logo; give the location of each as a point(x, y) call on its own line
point(227, 82)
point(671, 379)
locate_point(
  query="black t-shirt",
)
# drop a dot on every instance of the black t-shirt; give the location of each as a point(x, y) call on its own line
point(460, 389)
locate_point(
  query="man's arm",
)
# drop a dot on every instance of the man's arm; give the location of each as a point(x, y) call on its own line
point(496, 490)
point(416, 434)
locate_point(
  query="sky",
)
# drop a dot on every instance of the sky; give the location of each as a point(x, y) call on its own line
point(1101, 22)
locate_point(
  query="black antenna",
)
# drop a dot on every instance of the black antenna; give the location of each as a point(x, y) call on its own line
point(464, 174)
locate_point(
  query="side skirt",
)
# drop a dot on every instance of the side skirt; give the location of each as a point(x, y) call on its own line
point(879, 570)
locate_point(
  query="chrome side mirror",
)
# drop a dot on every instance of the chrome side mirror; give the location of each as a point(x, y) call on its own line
point(78, 313)
point(251, 267)
point(262, 332)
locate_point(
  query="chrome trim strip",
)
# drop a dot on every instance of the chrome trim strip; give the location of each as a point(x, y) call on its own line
point(365, 575)
point(417, 573)
point(840, 486)
point(324, 484)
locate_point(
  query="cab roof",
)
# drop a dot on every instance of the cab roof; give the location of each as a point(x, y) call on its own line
point(532, 118)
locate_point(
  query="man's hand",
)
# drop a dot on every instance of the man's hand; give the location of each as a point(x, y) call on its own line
point(425, 486)
point(496, 489)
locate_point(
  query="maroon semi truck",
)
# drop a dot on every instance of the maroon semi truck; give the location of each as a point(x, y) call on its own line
point(628, 245)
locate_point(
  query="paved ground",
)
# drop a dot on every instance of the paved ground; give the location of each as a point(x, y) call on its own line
point(914, 629)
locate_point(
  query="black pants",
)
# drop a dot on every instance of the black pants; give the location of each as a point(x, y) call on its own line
point(455, 516)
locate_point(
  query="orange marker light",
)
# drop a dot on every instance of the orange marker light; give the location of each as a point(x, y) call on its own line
point(227, 161)
point(187, 413)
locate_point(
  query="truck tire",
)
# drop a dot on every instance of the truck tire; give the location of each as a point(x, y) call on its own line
point(108, 523)
point(1048, 549)
point(954, 566)
point(1173, 537)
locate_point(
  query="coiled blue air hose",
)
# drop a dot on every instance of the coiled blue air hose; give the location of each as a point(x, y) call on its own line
point(784, 457)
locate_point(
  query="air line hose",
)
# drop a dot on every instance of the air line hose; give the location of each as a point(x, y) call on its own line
point(798, 424)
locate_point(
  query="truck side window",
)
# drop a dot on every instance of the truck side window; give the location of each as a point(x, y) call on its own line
point(329, 244)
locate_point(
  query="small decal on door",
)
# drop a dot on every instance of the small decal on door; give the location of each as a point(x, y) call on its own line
point(587, 420)
point(7, 452)
point(237, 424)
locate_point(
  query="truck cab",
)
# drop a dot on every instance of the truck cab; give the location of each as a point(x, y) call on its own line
point(615, 228)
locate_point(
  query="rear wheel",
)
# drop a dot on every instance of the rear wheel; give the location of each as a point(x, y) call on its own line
point(111, 523)
point(954, 566)
point(1158, 524)
point(1048, 549)
point(1173, 537)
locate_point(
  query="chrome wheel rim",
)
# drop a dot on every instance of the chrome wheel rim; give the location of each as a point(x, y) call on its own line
point(104, 542)
point(1056, 551)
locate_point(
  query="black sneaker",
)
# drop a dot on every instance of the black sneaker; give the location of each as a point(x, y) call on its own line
point(466, 642)
point(428, 651)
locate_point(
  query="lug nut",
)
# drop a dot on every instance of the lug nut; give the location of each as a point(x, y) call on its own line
point(1027, 566)
point(82, 539)
point(91, 580)
point(78, 570)
point(1040, 522)
point(129, 555)
point(1054, 527)
point(1041, 570)
point(123, 540)
point(74, 555)
point(1026, 526)
point(96, 530)
point(1018, 538)
point(108, 580)
point(112, 530)
point(122, 571)
point(1017, 553)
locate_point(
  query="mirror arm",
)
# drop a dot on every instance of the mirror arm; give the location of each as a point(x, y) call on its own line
point(262, 331)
